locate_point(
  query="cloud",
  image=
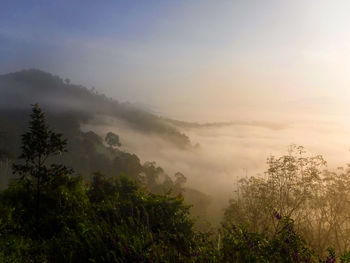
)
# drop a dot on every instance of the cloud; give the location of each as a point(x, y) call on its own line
point(227, 153)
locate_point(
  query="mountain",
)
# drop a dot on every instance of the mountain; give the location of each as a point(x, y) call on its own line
point(57, 96)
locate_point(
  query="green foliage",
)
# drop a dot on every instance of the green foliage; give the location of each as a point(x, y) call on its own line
point(49, 216)
point(285, 245)
point(113, 220)
point(345, 258)
point(158, 226)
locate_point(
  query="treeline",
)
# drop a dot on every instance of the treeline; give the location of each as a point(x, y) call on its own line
point(50, 214)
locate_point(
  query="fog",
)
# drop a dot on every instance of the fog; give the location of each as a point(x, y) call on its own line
point(226, 153)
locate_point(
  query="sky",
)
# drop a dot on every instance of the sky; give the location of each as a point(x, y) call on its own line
point(191, 60)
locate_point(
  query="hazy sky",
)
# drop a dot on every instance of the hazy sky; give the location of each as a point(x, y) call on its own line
point(201, 60)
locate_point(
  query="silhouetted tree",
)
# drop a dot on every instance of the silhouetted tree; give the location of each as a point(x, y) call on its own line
point(38, 144)
point(112, 139)
point(180, 179)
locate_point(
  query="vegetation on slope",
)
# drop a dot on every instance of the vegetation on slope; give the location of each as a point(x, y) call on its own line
point(50, 214)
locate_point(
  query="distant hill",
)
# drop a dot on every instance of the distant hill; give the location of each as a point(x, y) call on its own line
point(195, 125)
point(57, 96)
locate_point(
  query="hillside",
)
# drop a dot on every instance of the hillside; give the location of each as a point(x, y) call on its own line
point(57, 96)
point(67, 108)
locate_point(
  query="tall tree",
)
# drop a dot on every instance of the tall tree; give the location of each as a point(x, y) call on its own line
point(38, 145)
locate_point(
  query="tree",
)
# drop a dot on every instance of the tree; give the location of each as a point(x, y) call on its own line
point(179, 183)
point(38, 145)
point(287, 188)
point(238, 244)
point(180, 179)
point(297, 186)
point(112, 139)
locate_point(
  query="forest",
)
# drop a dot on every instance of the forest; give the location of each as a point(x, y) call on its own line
point(75, 196)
